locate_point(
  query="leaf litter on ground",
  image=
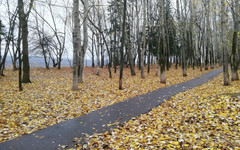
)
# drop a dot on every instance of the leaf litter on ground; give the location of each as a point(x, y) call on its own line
point(49, 99)
point(205, 117)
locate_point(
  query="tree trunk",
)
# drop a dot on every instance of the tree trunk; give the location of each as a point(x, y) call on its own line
point(144, 40)
point(98, 55)
point(115, 49)
point(19, 60)
point(14, 59)
point(207, 9)
point(215, 33)
point(235, 57)
point(102, 56)
point(162, 44)
point(85, 42)
point(129, 53)
point(23, 21)
point(76, 43)
point(92, 52)
point(224, 44)
point(184, 45)
point(138, 37)
point(45, 57)
point(179, 48)
point(122, 45)
point(1, 59)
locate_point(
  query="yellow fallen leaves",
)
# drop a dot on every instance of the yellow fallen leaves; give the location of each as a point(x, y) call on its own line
point(50, 100)
point(206, 117)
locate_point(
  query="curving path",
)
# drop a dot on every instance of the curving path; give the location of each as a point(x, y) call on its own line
point(96, 122)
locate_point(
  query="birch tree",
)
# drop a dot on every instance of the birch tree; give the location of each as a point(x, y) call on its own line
point(144, 39)
point(83, 49)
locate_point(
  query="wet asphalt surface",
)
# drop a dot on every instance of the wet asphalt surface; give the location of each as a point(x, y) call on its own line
point(96, 122)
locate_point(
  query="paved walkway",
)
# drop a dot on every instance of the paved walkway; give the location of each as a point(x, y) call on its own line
point(64, 133)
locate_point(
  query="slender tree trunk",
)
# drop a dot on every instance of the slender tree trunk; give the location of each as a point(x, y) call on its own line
point(98, 43)
point(98, 55)
point(148, 59)
point(144, 40)
point(215, 33)
point(19, 60)
point(179, 34)
point(1, 74)
point(14, 59)
point(138, 37)
point(122, 45)
point(85, 42)
point(212, 56)
point(102, 56)
point(92, 52)
point(115, 49)
point(207, 9)
point(148, 41)
point(157, 67)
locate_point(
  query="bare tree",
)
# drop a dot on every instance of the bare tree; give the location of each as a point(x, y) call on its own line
point(43, 42)
point(59, 35)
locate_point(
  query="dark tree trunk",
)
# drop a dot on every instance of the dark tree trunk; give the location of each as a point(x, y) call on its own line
point(122, 45)
point(234, 58)
point(59, 61)
point(115, 50)
point(206, 59)
point(45, 59)
point(92, 52)
point(19, 61)
point(23, 21)
point(26, 66)
point(102, 56)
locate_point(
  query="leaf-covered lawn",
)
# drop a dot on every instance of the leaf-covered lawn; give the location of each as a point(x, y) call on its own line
point(206, 117)
point(50, 100)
